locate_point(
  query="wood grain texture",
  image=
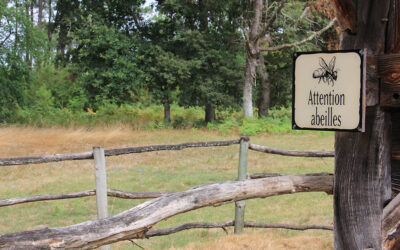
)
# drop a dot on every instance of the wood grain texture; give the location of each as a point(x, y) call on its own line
point(310, 153)
point(389, 72)
point(111, 152)
point(391, 224)
point(395, 173)
point(362, 182)
point(136, 221)
point(346, 13)
point(362, 161)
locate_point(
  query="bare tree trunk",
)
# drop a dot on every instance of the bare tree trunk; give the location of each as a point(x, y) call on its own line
point(210, 113)
point(167, 109)
point(265, 96)
point(251, 58)
point(49, 22)
point(40, 13)
point(27, 54)
point(248, 86)
point(362, 160)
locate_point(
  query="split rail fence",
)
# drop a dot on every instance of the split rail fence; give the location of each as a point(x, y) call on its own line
point(247, 186)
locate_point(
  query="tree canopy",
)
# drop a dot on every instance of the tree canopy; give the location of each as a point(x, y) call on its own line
point(79, 55)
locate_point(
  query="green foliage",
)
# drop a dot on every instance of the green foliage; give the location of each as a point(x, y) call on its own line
point(18, 39)
point(106, 64)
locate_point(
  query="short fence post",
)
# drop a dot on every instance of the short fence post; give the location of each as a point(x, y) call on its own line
point(242, 174)
point(101, 185)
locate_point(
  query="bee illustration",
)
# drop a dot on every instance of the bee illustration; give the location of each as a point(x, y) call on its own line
point(326, 73)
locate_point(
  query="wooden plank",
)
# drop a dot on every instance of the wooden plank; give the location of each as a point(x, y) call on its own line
point(242, 175)
point(111, 152)
point(389, 71)
point(136, 221)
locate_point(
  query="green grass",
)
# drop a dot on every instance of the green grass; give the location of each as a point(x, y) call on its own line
point(162, 171)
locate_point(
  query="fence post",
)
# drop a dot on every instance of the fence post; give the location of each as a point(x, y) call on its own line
point(242, 174)
point(101, 185)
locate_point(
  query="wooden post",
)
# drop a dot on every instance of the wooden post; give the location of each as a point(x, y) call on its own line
point(101, 185)
point(242, 174)
point(363, 160)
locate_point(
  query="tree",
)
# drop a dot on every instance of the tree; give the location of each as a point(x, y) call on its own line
point(258, 22)
point(205, 35)
point(106, 62)
point(18, 39)
point(274, 69)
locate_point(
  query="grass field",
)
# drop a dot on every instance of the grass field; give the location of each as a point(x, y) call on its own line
point(164, 171)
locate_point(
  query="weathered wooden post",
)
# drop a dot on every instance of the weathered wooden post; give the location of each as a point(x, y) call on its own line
point(363, 160)
point(101, 185)
point(242, 174)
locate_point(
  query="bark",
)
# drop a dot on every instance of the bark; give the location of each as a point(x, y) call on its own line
point(27, 54)
point(49, 25)
point(40, 13)
point(111, 152)
point(251, 58)
point(167, 110)
point(310, 153)
point(265, 99)
point(222, 225)
point(391, 224)
point(135, 222)
point(248, 86)
point(362, 161)
point(210, 113)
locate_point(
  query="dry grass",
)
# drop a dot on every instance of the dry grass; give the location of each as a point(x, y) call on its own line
point(162, 171)
point(257, 240)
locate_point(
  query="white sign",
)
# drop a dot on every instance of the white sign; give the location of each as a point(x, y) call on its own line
point(328, 91)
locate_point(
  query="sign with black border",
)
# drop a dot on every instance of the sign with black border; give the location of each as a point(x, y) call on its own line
point(328, 90)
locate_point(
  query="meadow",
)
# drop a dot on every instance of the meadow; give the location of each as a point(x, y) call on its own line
point(164, 171)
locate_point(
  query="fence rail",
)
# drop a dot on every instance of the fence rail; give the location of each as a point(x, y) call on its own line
point(111, 152)
point(262, 185)
point(135, 222)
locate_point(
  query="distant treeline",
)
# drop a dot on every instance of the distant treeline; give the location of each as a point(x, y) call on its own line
point(61, 61)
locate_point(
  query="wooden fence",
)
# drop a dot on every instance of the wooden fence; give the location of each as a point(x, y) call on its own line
point(246, 187)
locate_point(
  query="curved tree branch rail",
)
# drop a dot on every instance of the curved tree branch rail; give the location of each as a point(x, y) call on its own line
point(310, 153)
point(136, 222)
point(113, 193)
point(111, 152)
point(222, 225)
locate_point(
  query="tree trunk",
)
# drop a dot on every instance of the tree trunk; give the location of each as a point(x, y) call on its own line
point(27, 54)
point(248, 86)
point(167, 110)
point(265, 99)
point(49, 22)
point(210, 113)
point(251, 58)
point(40, 13)
point(362, 160)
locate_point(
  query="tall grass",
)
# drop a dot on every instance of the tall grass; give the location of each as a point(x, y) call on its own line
point(228, 121)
